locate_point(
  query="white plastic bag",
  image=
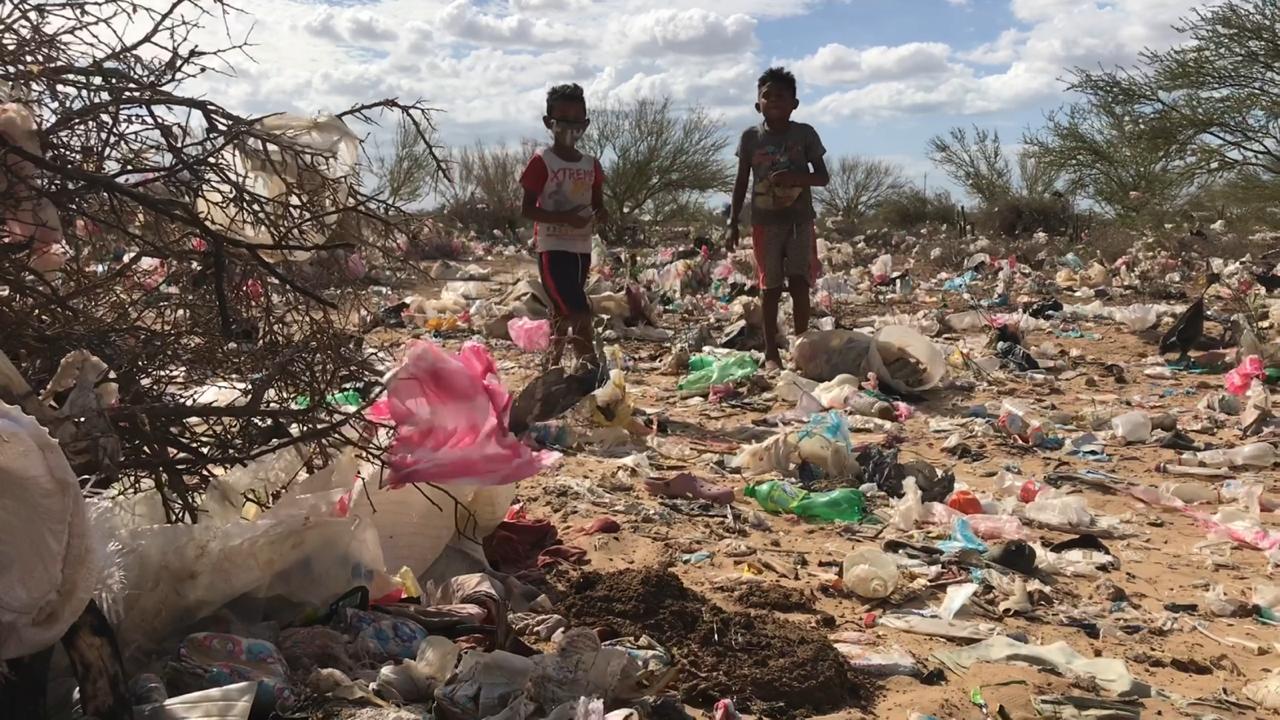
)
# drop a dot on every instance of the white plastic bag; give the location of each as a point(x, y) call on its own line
point(47, 567)
point(1069, 511)
point(899, 344)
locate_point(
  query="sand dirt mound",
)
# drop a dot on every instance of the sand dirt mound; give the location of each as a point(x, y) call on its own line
point(767, 665)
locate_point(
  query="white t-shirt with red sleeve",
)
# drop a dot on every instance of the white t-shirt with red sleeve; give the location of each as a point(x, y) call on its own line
point(561, 185)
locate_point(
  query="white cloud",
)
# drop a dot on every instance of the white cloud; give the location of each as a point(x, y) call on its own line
point(1020, 69)
point(461, 20)
point(838, 64)
point(487, 64)
point(684, 32)
point(349, 26)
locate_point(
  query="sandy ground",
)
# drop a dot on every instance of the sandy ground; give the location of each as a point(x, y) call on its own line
point(1161, 561)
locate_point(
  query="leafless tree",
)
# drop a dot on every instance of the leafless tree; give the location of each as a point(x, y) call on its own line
point(655, 157)
point(858, 186)
point(484, 188)
point(405, 173)
point(976, 163)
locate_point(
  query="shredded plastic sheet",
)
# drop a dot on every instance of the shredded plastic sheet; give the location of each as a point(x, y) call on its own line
point(1239, 379)
point(450, 416)
point(1111, 675)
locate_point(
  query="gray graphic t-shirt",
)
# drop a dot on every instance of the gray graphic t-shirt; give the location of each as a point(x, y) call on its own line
point(769, 152)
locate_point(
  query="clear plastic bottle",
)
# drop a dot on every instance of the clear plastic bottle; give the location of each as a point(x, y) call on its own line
point(1252, 455)
point(870, 573)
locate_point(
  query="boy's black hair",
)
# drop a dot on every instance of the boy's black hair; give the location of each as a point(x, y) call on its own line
point(571, 92)
point(777, 76)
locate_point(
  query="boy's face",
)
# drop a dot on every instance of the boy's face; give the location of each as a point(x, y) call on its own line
point(776, 102)
point(567, 122)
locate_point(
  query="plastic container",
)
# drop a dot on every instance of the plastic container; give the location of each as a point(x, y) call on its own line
point(1252, 455)
point(775, 496)
point(1132, 427)
point(1029, 491)
point(843, 505)
point(965, 502)
point(870, 573)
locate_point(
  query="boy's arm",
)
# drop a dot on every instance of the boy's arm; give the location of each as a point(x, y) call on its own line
point(736, 202)
point(529, 210)
point(597, 196)
point(795, 178)
point(533, 180)
point(818, 177)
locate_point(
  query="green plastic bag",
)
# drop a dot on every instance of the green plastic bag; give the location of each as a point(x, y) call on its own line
point(707, 371)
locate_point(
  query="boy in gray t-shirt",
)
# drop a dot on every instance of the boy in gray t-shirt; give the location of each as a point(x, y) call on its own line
point(775, 158)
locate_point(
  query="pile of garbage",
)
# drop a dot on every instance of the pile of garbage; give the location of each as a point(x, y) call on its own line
point(992, 464)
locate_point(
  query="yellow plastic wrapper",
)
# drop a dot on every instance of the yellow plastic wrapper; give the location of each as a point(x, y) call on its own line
point(409, 582)
point(610, 406)
point(441, 323)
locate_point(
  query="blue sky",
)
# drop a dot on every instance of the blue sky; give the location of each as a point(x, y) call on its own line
point(877, 77)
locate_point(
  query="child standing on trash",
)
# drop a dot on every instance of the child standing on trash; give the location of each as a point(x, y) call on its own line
point(781, 160)
point(564, 196)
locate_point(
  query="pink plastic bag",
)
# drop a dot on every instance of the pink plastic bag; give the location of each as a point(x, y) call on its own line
point(1239, 379)
point(450, 417)
point(530, 335)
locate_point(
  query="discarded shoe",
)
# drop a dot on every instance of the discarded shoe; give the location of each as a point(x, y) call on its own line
point(687, 485)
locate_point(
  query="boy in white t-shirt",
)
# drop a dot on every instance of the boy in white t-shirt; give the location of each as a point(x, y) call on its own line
point(564, 197)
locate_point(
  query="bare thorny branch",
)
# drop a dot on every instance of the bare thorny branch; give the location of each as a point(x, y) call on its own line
point(225, 284)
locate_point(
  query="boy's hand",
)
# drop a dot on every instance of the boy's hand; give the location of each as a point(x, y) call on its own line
point(789, 178)
point(731, 237)
point(578, 217)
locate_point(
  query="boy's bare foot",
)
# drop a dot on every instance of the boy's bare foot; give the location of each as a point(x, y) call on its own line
point(773, 364)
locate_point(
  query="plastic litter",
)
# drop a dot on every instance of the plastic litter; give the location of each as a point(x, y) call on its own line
point(530, 335)
point(1132, 427)
point(937, 627)
point(888, 662)
point(707, 371)
point(1253, 455)
point(823, 355)
point(956, 598)
point(779, 497)
point(870, 573)
point(1265, 692)
point(905, 360)
point(1067, 511)
point(1240, 379)
point(229, 702)
point(450, 414)
point(1063, 707)
point(962, 538)
point(1018, 602)
point(49, 563)
point(1110, 675)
